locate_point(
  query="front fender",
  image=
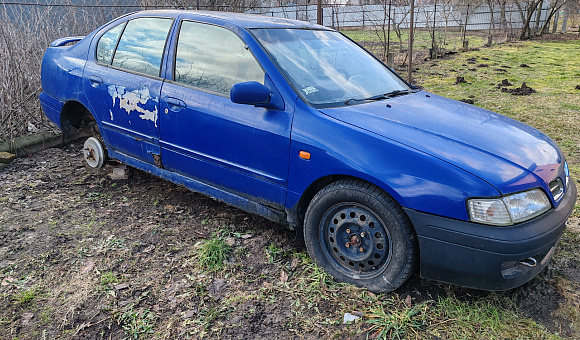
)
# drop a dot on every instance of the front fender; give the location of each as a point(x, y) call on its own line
point(415, 179)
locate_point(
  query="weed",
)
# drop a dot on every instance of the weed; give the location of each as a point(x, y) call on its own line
point(26, 296)
point(137, 324)
point(208, 316)
point(491, 318)
point(108, 278)
point(273, 251)
point(393, 319)
point(212, 253)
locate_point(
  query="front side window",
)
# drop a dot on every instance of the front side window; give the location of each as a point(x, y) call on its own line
point(213, 59)
point(107, 43)
point(327, 69)
point(142, 44)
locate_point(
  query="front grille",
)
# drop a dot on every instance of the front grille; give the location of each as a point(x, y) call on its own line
point(556, 188)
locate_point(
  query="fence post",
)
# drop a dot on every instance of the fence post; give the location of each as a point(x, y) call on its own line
point(565, 21)
point(363, 19)
point(556, 17)
point(332, 12)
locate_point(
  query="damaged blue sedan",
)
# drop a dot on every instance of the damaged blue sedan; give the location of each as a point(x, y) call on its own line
point(295, 122)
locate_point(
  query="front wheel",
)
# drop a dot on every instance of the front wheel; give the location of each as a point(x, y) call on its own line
point(360, 235)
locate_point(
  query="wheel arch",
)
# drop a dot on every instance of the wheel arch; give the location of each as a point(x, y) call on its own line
point(76, 121)
point(297, 213)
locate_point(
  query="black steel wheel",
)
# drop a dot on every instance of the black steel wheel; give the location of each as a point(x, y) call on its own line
point(360, 235)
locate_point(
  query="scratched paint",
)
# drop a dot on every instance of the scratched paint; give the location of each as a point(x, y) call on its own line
point(134, 101)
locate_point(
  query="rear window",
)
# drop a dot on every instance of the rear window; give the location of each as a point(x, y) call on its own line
point(142, 44)
point(107, 43)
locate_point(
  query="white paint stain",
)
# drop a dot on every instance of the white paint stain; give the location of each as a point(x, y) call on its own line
point(111, 113)
point(131, 101)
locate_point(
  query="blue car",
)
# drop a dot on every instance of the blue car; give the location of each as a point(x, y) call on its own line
point(297, 123)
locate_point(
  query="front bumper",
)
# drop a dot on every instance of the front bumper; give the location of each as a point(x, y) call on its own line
point(489, 257)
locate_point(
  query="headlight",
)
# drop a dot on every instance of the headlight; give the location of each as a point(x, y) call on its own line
point(509, 209)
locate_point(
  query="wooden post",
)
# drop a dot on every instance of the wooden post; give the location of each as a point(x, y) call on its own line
point(465, 45)
point(390, 59)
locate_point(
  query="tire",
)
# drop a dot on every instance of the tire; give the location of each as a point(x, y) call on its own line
point(360, 235)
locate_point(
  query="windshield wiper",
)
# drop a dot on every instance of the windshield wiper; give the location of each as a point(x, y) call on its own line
point(382, 96)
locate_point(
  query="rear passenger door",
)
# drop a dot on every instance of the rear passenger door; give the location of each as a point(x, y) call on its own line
point(204, 135)
point(123, 85)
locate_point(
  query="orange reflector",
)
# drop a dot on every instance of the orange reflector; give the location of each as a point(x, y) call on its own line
point(304, 155)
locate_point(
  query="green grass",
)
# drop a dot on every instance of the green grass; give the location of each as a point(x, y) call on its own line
point(137, 324)
point(109, 278)
point(494, 317)
point(27, 296)
point(212, 253)
point(393, 319)
point(453, 40)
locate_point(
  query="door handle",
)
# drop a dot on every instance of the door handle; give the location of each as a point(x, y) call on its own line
point(95, 79)
point(175, 103)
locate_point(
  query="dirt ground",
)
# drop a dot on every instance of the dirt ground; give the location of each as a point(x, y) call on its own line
point(86, 257)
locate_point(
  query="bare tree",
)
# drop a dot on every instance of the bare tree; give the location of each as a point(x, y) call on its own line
point(527, 9)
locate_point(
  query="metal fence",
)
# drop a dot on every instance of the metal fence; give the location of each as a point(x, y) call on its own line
point(440, 15)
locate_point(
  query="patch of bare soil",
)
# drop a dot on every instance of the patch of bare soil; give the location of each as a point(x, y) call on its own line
point(83, 256)
point(523, 90)
point(504, 83)
point(556, 37)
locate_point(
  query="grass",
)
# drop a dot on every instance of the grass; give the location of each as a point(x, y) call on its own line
point(109, 278)
point(27, 296)
point(495, 317)
point(137, 324)
point(393, 319)
point(211, 254)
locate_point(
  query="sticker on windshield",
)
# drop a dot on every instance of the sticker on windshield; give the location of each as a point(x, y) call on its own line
point(310, 89)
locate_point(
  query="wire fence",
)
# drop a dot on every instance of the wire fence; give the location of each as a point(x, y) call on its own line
point(28, 28)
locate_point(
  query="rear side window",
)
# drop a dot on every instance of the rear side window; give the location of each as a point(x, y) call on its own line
point(213, 59)
point(141, 46)
point(107, 43)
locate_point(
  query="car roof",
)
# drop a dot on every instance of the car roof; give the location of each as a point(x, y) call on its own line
point(247, 21)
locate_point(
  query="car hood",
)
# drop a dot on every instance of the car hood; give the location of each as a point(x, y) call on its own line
point(509, 155)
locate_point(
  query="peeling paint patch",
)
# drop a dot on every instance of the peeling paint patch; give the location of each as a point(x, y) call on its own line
point(133, 101)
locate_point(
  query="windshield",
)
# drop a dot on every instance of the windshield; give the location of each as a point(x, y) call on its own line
point(327, 69)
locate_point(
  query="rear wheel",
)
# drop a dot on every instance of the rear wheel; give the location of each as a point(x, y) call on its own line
point(94, 152)
point(360, 235)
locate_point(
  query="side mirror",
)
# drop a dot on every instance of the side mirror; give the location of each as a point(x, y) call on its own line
point(250, 93)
